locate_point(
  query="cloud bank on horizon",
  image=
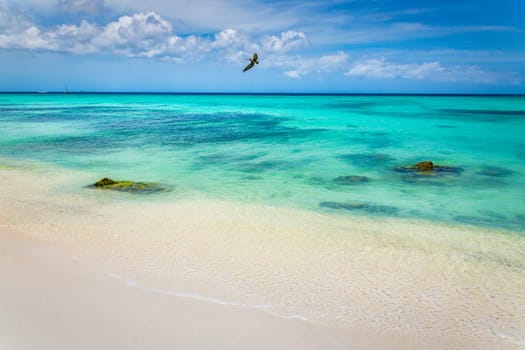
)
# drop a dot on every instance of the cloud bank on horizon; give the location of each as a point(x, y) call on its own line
point(329, 46)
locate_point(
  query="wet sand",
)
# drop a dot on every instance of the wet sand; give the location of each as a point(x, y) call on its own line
point(107, 270)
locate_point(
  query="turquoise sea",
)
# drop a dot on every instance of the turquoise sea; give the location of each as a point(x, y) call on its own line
point(340, 154)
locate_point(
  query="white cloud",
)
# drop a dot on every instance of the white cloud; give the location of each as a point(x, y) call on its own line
point(144, 34)
point(203, 16)
point(140, 35)
point(71, 38)
point(29, 38)
point(304, 66)
point(236, 46)
point(382, 69)
point(295, 74)
point(286, 41)
point(332, 61)
point(229, 37)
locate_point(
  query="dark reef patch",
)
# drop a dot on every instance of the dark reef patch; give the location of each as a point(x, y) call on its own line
point(490, 116)
point(351, 105)
point(489, 221)
point(189, 130)
point(268, 165)
point(486, 112)
point(495, 171)
point(251, 177)
point(361, 207)
point(351, 180)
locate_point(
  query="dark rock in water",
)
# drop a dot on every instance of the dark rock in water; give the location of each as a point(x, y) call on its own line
point(359, 206)
point(131, 186)
point(495, 171)
point(351, 180)
point(424, 166)
point(445, 126)
point(105, 182)
point(429, 168)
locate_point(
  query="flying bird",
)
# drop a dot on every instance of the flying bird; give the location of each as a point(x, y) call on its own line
point(253, 62)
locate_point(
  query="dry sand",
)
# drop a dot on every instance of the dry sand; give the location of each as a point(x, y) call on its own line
point(50, 300)
point(81, 268)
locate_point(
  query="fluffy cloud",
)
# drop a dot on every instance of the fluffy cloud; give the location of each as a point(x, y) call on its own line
point(237, 46)
point(71, 38)
point(144, 34)
point(435, 71)
point(230, 37)
point(286, 41)
point(29, 38)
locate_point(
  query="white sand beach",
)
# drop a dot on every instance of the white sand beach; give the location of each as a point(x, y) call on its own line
point(85, 269)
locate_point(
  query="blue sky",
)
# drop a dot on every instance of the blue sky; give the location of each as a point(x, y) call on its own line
point(353, 46)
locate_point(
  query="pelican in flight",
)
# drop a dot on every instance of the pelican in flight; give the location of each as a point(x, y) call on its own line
point(253, 61)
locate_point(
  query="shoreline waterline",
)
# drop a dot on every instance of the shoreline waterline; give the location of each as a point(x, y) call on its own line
point(436, 284)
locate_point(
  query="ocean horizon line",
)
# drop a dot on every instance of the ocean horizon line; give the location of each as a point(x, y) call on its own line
point(256, 93)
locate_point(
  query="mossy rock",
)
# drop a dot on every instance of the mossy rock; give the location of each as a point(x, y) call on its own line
point(105, 182)
point(424, 166)
point(131, 186)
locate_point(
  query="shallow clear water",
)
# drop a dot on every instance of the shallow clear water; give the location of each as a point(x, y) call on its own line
point(291, 150)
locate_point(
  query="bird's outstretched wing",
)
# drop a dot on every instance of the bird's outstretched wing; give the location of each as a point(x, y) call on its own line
point(249, 66)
